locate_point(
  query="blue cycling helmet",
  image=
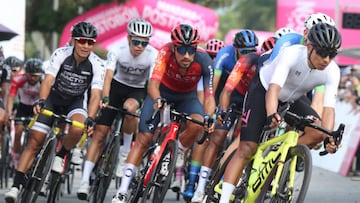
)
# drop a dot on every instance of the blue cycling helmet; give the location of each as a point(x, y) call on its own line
point(245, 39)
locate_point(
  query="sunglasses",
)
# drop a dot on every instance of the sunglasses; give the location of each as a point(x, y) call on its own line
point(246, 50)
point(85, 40)
point(137, 42)
point(323, 53)
point(183, 49)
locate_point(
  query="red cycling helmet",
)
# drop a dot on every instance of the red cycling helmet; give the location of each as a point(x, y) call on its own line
point(185, 35)
point(268, 44)
point(213, 46)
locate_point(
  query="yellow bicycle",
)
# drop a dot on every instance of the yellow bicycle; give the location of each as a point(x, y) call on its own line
point(280, 170)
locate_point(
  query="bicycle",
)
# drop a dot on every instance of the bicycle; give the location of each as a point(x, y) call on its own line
point(153, 180)
point(105, 166)
point(272, 174)
point(43, 161)
point(5, 158)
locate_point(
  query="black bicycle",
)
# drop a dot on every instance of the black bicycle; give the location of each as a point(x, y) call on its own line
point(104, 169)
point(43, 161)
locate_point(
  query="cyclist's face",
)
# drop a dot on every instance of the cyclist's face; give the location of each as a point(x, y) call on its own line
point(318, 58)
point(137, 44)
point(184, 55)
point(32, 79)
point(83, 46)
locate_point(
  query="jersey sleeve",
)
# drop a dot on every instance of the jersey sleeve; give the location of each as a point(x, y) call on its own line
point(99, 73)
point(237, 73)
point(160, 63)
point(207, 74)
point(56, 59)
point(331, 86)
point(111, 60)
point(220, 60)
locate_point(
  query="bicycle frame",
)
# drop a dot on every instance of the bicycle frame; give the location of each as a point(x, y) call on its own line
point(173, 129)
point(265, 165)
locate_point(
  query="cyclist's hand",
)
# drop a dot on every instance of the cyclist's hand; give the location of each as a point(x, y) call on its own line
point(90, 124)
point(220, 116)
point(104, 102)
point(209, 124)
point(38, 105)
point(158, 102)
point(273, 120)
point(330, 146)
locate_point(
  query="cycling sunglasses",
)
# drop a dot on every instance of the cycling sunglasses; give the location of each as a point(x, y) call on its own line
point(183, 49)
point(85, 40)
point(137, 42)
point(323, 53)
point(246, 50)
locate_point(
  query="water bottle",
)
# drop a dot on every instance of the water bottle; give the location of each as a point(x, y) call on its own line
point(165, 115)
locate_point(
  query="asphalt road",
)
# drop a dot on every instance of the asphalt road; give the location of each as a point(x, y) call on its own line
point(325, 187)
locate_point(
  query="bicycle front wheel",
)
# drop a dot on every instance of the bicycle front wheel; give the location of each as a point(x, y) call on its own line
point(160, 179)
point(301, 156)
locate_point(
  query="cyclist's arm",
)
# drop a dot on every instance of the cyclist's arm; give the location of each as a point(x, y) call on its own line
point(271, 98)
point(107, 82)
point(46, 86)
point(158, 72)
point(318, 100)
point(94, 102)
point(207, 74)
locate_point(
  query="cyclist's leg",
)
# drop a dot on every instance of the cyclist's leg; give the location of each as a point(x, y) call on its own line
point(143, 140)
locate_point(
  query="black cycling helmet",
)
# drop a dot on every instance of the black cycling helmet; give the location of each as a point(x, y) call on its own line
point(84, 29)
point(325, 36)
point(34, 66)
point(245, 39)
point(13, 62)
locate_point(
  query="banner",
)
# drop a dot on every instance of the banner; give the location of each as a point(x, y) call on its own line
point(294, 13)
point(111, 20)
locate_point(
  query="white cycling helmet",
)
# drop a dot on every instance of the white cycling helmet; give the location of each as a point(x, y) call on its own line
point(318, 18)
point(139, 27)
point(283, 31)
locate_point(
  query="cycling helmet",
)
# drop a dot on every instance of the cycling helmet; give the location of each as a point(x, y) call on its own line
point(245, 39)
point(34, 66)
point(185, 34)
point(323, 35)
point(318, 18)
point(139, 27)
point(283, 31)
point(84, 29)
point(213, 46)
point(268, 44)
point(13, 62)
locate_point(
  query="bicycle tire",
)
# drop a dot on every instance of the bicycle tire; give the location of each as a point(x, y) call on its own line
point(55, 187)
point(69, 178)
point(106, 169)
point(302, 179)
point(33, 190)
point(159, 183)
point(5, 159)
point(210, 195)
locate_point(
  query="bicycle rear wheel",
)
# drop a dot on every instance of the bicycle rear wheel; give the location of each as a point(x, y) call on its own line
point(286, 192)
point(55, 187)
point(160, 179)
point(5, 159)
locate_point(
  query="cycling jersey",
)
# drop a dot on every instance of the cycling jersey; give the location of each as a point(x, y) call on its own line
point(72, 79)
point(28, 94)
point(285, 41)
point(225, 60)
point(5, 73)
point(290, 71)
point(243, 72)
point(166, 70)
point(131, 71)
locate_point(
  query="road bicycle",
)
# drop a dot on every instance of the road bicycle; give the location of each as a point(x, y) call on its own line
point(153, 179)
point(280, 170)
point(43, 160)
point(105, 166)
point(5, 158)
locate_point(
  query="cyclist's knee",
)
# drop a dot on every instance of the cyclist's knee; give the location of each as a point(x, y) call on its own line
point(246, 149)
point(143, 140)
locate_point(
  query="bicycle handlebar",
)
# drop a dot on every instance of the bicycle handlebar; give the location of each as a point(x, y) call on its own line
point(122, 111)
point(63, 118)
point(309, 122)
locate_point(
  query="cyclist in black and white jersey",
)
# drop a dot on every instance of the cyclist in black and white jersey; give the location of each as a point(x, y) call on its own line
point(296, 70)
point(5, 78)
point(127, 70)
point(72, 70)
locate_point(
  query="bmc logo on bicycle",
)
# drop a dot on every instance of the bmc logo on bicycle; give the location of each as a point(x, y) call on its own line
point(265, 172)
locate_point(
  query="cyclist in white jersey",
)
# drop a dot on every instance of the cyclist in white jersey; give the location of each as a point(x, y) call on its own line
point(72, 71)
point(296, 70)
point(26, 86)
point(128, 67)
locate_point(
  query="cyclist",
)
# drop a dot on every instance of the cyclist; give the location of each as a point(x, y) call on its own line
point(15, 64)
point(283, 31)
point(238, 80)
point(179, 67)
point(132, 60)
point(212, 47)
point(296, 70)
point(227, 57)
point(71, 71)
point(26, 86)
